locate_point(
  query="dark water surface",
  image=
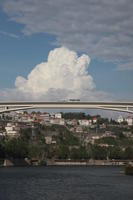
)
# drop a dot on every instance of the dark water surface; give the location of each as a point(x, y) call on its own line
point(65, 183)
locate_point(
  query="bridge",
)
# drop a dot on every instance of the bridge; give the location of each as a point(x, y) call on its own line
point(23, 105)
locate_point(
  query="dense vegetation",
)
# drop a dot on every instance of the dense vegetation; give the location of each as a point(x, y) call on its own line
point(31, 143)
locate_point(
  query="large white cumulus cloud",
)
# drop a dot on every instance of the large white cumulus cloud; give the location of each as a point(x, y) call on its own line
point(64, 73)
point(63, 76)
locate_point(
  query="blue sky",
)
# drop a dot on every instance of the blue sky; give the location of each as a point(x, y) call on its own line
point(29, 30)
point(19, 55)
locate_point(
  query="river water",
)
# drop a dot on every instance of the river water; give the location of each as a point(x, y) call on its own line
point(65, 183)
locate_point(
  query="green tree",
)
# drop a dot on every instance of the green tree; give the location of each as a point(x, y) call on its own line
point(36, 151)
point(107, 140)
point(26, 134)
point(128, 154)
point(115, 153)
point(99, 153)
point(78, 153)
point(2, 151)
point(15, 148)
point(62, 152)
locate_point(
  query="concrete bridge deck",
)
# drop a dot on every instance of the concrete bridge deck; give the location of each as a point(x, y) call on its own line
point(24, 105)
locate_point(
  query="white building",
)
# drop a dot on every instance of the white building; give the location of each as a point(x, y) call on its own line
point(57, 121)
point(85, 122)
point(58, 115)
point(48, 139)
point(97, 137)
point(46, 117)
point(12, 130)
point(72, 122)
point(2, 134)
point(94, 120)
point(127, 133)
point(79, 129)
point(26, 118)
point(108, 134)
point(120, 119)
point(129, 121)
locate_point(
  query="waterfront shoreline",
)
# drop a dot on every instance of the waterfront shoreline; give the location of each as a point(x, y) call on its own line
point(22, 163)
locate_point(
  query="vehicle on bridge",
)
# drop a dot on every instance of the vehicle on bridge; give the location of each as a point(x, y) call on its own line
point(74, 100)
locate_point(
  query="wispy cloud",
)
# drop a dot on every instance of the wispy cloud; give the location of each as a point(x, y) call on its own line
point(103, 29)
point(125, 66)
point(8, 34)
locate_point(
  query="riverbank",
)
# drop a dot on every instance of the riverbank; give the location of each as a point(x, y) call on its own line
point(51, 162)
point(85, 163)
point(129, 169)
